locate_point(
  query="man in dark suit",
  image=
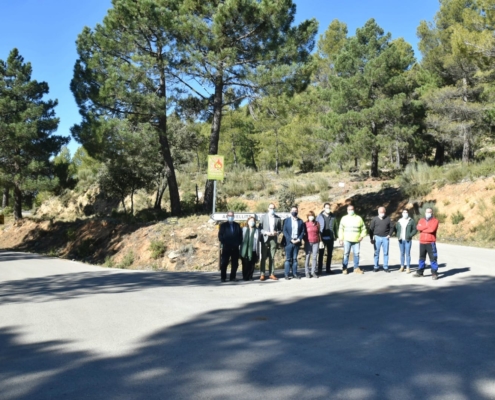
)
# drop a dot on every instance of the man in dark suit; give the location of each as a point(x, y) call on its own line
point(271, 227)
point(294, 229)
point(230, 236)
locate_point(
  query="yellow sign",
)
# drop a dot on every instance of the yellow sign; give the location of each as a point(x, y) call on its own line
point(216, 168)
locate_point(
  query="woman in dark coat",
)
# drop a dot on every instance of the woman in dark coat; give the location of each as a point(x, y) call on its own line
point(250, 248)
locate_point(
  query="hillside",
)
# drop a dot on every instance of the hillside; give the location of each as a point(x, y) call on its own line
point(466, 210)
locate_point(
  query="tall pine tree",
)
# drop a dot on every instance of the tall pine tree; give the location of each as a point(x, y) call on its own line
point(27, 123)
point(367, 92)
point(232, 50)
point(124, 72)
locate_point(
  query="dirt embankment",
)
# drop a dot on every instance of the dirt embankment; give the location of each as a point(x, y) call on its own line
point(466, 210)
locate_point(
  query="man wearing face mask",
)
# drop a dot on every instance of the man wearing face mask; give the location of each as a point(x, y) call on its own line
point(405, 229)
point(271, 227)
point(230, 236)
point(294, 230)
point(328, 233)
point(428, 227)
point(380, 230)
point(351, 232)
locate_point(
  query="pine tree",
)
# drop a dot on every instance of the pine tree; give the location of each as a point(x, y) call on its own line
point(368, 92)
point(27, 123)
point(232, 50)
point(461, 68)
point(124, 72)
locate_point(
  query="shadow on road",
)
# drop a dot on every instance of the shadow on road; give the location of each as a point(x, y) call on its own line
point(408, 342)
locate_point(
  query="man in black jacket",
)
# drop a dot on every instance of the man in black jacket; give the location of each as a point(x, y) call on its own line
point(380, 230)
point(230, 236)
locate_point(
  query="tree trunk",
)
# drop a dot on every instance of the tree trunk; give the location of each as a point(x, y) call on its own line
point(276, 151)
point(466, 149)
point(374, 153)
point(233, 151)
point(439, 154)
point(17, 203)
point(167, 155)
point(398, 155)
point(6, 195)
point(123, 204)
point(160, 190)
point(214, 137)
point(374, 162)
point(253, 161)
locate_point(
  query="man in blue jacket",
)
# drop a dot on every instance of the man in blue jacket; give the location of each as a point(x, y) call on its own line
point(230, 236)
point(293, 233)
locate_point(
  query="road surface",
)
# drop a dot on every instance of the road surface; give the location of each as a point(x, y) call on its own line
point(74, 331)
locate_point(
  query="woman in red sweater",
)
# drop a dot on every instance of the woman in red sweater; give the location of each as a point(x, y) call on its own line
point(311, 243)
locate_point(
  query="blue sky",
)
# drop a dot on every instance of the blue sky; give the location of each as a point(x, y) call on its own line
point(45, 32)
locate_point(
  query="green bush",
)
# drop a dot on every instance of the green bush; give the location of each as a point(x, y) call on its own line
point(298, 190)
point(286, 199)
point(310, 189)
point(417, 179)
point(456, 218)
point(127, 261)
point(322, 184)
point(71, 234)
point(436, 213)
point(484, 168)
point(41, 197)
point(8, 211)
point(261, 207)
point(84, 249)
point(237, 205)
point(157, 248)
point(324, 196)
point(188, 203)
point(109, 263)
point(455, 175)
point(484, 230)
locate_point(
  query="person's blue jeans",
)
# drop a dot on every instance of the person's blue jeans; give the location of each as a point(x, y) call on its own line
point(381, 241)
point(348, 246)
point(405, 252)
point(291, 252)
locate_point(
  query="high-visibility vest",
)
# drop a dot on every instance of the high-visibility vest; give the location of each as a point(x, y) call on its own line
point(352, 228)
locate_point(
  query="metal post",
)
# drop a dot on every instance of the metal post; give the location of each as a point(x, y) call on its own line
point(214, 195)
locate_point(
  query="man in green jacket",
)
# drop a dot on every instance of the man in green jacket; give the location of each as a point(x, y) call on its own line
point(351, 231)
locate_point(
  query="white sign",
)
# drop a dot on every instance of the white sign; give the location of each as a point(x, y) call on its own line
point(341, 184)
point(244, 216)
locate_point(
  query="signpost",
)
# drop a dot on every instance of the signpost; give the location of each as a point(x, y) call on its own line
point(219, 217)
point(216, 171)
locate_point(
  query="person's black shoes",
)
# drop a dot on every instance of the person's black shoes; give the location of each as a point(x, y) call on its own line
point(233, 280)
point(376, 269)
point(417, 274)
point(297, 277)
point(387, 271)
point(223, 280)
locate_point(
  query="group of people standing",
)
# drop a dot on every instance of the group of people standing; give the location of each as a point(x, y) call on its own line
point(318, 234)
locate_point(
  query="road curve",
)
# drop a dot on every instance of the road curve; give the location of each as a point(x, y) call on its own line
point(74, 331)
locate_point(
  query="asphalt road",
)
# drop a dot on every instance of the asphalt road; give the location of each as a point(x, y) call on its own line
point(74, 331)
